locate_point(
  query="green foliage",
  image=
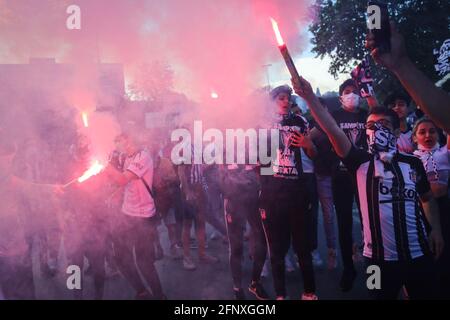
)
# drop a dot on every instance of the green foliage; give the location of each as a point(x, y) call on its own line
point(151, 82)
point(340, 29)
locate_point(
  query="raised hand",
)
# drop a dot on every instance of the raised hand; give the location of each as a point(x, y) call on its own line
point(303, 88)
point(395, 57)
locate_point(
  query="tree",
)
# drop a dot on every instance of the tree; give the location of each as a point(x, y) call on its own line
point(340, 31)
point(151, 82)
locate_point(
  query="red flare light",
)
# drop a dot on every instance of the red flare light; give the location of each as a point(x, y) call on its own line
point(284, 51)
point(95, 169)
point(277, 32)
point(214, 95)
point(84, 116)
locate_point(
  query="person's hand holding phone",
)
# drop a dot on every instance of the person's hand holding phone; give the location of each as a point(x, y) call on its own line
point(393, 59)
point(300, 140)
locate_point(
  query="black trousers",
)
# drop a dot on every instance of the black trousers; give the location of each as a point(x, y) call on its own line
point(344, 193)
point(444, 261)
point(16, 277)
point(285, 217)
point(138, 234)
point(239, 211)
point(418, 276)
point(313, 209)
point(87, 236)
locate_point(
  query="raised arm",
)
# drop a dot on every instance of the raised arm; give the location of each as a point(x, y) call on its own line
point(338, 139)
point(431, 211)
point(433, 101)
point(372, 102)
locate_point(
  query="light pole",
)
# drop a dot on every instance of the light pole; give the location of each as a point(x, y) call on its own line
point(267, 66)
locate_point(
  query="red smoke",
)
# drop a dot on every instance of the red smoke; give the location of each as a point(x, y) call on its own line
point(218, 46)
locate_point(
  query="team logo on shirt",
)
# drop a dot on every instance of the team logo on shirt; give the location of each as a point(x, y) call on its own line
point(354, 131)
point(398, 194)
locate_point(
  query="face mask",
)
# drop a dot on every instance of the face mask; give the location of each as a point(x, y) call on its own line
point(350, 101)
point(383, 144)
point(381, 139)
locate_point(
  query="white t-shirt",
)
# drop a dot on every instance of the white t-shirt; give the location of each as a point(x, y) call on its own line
point(307, 163)
point(405, 143)
point(137, 200)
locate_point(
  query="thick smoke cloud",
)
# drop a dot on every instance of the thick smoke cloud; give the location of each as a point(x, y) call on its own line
point(218, 46)
point(211, 46)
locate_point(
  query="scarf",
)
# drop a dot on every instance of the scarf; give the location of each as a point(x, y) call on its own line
point(427, 156)
point(383, 145)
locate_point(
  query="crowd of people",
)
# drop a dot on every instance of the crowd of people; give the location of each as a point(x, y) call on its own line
point(390, 163)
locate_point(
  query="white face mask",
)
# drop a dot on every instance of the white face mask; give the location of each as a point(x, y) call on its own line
point(350, 101)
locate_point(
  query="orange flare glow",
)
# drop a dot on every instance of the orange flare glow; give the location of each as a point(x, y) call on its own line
point(95, 169)
point(214, 95)
point(277, 32)
point(84, 116)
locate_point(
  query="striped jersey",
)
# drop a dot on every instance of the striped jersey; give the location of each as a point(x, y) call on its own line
point(392, 219)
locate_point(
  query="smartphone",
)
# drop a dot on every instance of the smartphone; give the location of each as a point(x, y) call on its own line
point(380, 30)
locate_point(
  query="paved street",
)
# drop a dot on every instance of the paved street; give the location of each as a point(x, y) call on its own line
point(207, 282)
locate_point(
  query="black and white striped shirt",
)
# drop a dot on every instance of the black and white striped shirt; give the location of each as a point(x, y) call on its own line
point(392, 219)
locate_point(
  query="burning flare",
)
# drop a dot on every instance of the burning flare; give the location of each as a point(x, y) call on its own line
point(277, 32)
point(95, 169)
point(214, 95)
point(84, 116)
point(285, 52)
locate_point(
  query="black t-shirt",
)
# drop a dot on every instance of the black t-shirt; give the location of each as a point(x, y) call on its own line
point(326, 161)
point(354, 126)
point(288, 169)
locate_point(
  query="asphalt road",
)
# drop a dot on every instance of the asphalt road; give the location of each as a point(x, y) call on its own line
point(207, 281)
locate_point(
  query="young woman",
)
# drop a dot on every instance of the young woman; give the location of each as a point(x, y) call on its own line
point(435, 159)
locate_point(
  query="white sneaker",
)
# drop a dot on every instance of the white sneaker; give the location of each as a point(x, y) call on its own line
point(188, 264)
point(309, 296)
point(332, 259)
point(316, 259)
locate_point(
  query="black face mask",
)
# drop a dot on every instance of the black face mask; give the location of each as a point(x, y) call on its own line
point(383, 145)
point(380, 139)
